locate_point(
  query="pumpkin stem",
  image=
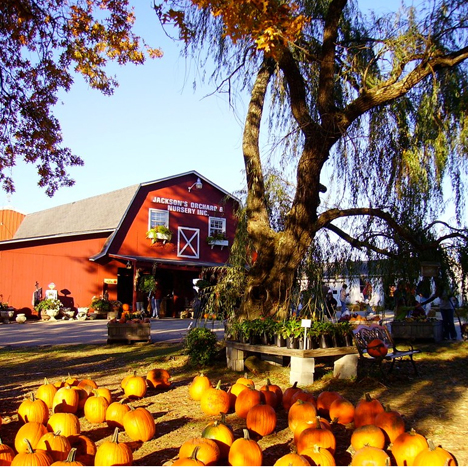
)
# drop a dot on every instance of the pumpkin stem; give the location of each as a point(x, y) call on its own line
point(29, 446)
point(115, 436)
point(431, 444)
point(71, 457)
point(246, 434)
point(218, 386)
point(195, 453)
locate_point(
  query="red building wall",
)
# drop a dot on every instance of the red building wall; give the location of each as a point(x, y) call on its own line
point(64, 263)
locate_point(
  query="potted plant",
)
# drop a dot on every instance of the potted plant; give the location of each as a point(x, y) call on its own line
point(295, 330)
point(100, 304)
point(282, 334)
point(218, 238)
point(159, 232)
point(49, 307)
point(269, 328)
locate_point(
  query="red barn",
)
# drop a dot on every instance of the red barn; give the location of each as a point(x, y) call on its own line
point(100, 244)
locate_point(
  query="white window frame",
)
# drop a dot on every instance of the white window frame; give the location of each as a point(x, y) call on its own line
point(162, 214)
point(213, 228)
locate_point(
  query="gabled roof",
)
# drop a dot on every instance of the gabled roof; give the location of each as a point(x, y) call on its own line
point(102, 213)
point(99, 213)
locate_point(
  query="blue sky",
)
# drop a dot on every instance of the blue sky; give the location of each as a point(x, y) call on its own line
point(154, 126)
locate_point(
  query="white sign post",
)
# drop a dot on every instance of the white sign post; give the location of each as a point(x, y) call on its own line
point(306, 323)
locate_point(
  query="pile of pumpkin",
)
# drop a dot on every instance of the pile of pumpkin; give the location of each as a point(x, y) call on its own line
point(378, 435)
point(51, 433)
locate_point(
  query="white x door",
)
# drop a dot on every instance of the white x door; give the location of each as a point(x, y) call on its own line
point(188, 242)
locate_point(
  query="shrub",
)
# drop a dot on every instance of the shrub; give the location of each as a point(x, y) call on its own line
point(200, 345)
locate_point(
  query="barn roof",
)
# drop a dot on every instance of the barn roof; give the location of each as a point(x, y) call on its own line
point(99, 213)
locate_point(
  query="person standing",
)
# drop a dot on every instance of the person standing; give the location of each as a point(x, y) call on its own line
point(156, 297)
point(447, 309)
point(343, 297)
point(330, 304)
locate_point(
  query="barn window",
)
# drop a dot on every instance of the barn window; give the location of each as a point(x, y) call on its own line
point(158, 218)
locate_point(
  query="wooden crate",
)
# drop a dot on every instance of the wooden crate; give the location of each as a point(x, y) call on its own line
point(128, 332)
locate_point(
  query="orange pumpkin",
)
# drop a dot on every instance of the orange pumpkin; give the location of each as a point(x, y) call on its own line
point(292, 459)
point(95, 409)
point(56, 445)
point(32, 432)
point(366, 410)
point(391, 423)
point(368, 435)
point(6, 454)
point(261, 419)
point(287, 396)
point(246, 381)
point(88, 382)
point(190, 461)
point(377, 348)
point(70, 460)
point(370, 456)
point(46, 393)
point(221, 433)
point(245, 452)
point(215, 401)
point(104, 392)
point(316, 435)
point(341, 411)
point(67, 423)
point(208, 451)
point(199, 385)
point(324, 401)
point(301, 411)
point(434, 456)
point(125, 307)
point(115, 413)
point(31, 457)
point(271, 398)
point(302, 426)
point(318, 456)
point(33, 410)
point(407, 446)
point(158, 379)
point(274, 388)
point(246, 400)
point(139, 424)
point(113, 452)
point(65, 400)
point(135, 387)
point(85, 449)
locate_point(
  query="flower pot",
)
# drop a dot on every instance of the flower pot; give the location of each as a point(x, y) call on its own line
point(20, 318)
point(324, 341)
point(280, 341)
point(348, 339)
point(254, 339)
point(265, 338)
point(292, 343)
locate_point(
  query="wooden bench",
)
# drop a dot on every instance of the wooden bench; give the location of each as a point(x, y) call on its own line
point(364, 334)
point(302, 360)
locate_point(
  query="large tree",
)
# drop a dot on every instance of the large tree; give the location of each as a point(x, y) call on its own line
point(382, 101)
point(43, 44)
